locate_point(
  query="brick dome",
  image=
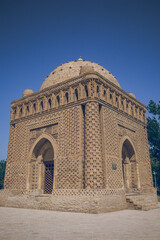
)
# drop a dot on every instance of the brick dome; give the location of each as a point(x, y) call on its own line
point(73, 69)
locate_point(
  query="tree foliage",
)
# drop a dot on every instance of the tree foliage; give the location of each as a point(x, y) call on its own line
point(2, 173)
point(153, 128)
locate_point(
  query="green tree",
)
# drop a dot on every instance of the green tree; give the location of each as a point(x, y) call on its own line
point(153, 129)
point(2, 173)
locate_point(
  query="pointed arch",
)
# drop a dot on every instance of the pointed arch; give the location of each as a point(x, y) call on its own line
point(123, 139)
point(47, 137)
point(41, 164)
point(130, 171)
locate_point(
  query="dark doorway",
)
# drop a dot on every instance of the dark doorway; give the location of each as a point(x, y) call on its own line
point(48, 182)
point(42, 167)
point(129, 167)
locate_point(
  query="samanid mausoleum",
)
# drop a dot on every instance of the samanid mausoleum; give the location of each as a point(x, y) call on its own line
point(78, 144)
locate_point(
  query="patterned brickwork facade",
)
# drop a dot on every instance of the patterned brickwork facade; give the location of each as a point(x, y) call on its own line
point(78, 145)
point(10, 157)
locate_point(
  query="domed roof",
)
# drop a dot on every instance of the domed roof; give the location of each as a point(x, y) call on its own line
point(27, 92)
point(72, 69)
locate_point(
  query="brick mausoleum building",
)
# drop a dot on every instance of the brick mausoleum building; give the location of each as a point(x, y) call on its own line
point(79, 144)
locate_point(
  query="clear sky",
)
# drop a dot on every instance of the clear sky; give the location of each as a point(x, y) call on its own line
point(36, 36)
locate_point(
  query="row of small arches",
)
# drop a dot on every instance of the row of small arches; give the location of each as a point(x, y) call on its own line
point(106, 94)
point(49, 102)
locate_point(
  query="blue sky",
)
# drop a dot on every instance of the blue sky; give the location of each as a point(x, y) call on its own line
point(39, 35)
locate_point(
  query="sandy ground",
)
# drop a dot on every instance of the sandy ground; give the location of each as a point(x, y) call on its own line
point(26, 224)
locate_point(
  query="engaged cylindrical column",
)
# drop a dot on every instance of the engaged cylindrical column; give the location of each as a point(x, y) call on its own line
point(93, 147)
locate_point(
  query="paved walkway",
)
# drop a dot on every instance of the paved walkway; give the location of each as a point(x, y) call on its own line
point(26, 224)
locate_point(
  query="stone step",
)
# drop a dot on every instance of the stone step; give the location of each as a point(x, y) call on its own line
point(140, 202)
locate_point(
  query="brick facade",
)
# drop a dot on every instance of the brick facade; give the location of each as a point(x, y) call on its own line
point(77, 145)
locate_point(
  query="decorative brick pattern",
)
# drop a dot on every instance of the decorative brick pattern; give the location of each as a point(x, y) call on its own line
point(10, 157)
point(110, 131)
point(69, 132)
point(68, 173)
point(18, 167)
point(114, 177)
point(34, 176)
point(81, 139)
point(93, 147)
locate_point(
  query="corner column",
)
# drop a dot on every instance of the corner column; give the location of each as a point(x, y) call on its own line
point(93, 147)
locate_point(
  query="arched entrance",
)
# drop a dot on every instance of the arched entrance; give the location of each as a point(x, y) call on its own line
point(129, 167)
point(42, 167)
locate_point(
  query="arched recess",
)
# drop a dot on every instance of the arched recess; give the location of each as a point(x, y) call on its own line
point(41, 169)
point(130, 171)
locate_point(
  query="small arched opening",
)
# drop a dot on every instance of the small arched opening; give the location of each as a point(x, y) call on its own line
point(66, 97)
point(86, 90)
point(76, 94)
point(49, 103)
point(21, 111)
point(98, 92)
point(34, 108)
point(27, 110)
point(57, 101)
point(41, 105)
point(122, 105)
point(111, 98)
point(117, 102)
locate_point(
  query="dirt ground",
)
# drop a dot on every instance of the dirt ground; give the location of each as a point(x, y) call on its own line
point(27, 224)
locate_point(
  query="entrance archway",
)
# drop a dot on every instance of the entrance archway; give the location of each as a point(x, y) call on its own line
point(129, 167)
point(42, 167)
